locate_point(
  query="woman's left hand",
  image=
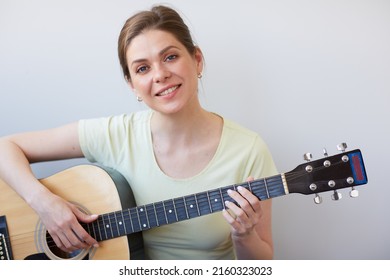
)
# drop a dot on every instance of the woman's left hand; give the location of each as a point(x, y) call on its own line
point(243, 217)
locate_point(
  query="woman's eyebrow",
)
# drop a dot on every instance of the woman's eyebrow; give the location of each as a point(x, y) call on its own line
point(164, 50)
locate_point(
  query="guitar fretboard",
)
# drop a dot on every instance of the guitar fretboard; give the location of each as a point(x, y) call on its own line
point(140, 218)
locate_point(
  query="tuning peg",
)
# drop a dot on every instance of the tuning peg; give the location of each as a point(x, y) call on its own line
point(342, 147)
point(325, 152)
point(307, 156)
point(354, 192)
point(317, 199)
point(336, 195)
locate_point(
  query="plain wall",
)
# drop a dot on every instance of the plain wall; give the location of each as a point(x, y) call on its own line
point(304, 74)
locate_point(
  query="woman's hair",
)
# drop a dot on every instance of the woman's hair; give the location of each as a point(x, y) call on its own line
point(158, 18)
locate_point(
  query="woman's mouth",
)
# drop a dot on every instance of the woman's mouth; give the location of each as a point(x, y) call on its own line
point(167, 91)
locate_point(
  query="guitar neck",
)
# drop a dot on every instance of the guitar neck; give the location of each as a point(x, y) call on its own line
point(140, 218)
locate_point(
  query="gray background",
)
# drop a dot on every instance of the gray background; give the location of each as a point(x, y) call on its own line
point(303, 74)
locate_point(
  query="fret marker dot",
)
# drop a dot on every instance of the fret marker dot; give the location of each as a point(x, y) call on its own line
point(141, 209)
point(144, 225)
point(107, 226)
point(120, 222)
point(170, 211)
point(191, 206)
point(215, 200)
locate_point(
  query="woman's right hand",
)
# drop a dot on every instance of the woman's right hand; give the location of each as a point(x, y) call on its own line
point(61, 219)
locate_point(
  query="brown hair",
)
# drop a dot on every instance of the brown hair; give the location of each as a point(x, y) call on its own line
point(159, 18)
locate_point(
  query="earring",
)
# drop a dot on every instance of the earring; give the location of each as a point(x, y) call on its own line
point(139, 99)
point(200, 75)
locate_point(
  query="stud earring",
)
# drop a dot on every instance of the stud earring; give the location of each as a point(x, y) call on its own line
point(139, 99)
point(200, 75)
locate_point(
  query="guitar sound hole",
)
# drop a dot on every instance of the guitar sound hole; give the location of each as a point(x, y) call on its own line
point(58, 252)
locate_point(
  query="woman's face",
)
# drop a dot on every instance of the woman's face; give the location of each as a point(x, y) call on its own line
point(163, 73)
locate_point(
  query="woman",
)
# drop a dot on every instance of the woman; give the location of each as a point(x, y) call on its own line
point(174, 149)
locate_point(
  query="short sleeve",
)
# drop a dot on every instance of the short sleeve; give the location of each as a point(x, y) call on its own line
point(103, 139)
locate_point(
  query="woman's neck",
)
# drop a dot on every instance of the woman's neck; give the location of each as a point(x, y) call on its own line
point(176, 138)
point(185, 126)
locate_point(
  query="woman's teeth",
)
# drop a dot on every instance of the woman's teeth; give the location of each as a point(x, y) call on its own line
point(168, 91)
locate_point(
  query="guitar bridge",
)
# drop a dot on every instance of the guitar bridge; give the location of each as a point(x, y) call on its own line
point(5, 245)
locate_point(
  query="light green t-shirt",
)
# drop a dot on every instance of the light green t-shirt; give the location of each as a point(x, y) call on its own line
point(124, 143)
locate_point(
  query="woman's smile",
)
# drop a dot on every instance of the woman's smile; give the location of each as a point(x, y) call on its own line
point(168, 91)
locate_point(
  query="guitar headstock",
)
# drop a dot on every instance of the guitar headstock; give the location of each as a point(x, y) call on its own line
point(344, 170)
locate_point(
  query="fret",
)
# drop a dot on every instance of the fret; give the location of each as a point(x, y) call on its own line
point(197, 205)
point(113, 225)
point(128, 219)
point(191, 206)
point(266, 187)
point(216, 203)
point(259, 189)
point(134, 218)
point(185, 208)
point(208, 199)
point(88, 227)
point(107, 226)
point(117, 233)
point(161, 213)
point(102, 228)
point(203, 203)
point(95, 223)
point(180, 209)
point(151, 214)
point(92, 232)
point(276, 187)
point(170, 211)
point(222, 198)
point(143, 218)
point(249, 187)
point(98, 223)
point(225, 195)
point(121, 225)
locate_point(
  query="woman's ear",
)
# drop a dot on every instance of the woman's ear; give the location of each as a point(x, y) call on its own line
point(199, 59)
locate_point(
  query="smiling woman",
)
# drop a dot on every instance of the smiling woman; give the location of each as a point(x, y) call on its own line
point(173, 149)
point(162, 72)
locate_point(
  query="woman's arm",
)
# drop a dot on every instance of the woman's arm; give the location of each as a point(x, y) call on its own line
point(60, 217)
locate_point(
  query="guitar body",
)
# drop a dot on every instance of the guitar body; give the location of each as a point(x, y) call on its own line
point(93, 189)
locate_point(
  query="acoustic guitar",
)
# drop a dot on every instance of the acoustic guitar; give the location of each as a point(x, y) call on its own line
point(121, 222)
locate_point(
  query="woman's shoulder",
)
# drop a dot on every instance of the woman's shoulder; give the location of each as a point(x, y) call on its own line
point(233, 127)
point(240, 135)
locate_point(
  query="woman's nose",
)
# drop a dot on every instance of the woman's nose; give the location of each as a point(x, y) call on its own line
point(161, 74)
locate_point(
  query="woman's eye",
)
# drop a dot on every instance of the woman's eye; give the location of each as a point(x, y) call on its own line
point(141, 69)
point(171, 57)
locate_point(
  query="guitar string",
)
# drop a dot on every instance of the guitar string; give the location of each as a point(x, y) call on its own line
point(200, 201)
point(161, 210)
point(17, 240)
